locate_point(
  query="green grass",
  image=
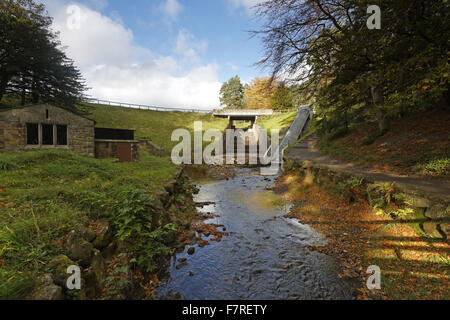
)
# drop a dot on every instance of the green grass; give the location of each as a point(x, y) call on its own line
point(154, 125)
point(277, 122)
point(45, 194)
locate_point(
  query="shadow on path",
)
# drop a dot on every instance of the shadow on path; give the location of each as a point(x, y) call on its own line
point(307, 150)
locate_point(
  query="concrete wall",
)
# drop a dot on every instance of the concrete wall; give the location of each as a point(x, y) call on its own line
point(13, 135)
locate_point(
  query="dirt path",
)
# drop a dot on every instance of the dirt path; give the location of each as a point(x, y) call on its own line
point(307, 150)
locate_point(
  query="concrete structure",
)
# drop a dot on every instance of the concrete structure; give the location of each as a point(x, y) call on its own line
point(45, 127)
point(295, 132)
point(248, 137)
point(242, 115)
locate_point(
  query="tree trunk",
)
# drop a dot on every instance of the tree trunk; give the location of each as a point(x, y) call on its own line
point(378, 101)
point(315, 103)
point(346, 120)
point(23, 97)
point(383, 122)
point(23, 94)
point(34, 93)
point(3, 83)
point(377, 95)
point(325, 124)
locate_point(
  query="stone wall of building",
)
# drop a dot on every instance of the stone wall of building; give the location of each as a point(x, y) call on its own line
point(13, 129)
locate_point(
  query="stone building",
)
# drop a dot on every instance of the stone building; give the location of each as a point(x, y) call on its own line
point(39, 127)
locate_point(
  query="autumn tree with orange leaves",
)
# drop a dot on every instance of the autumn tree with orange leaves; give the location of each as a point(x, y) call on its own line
point(258, 95)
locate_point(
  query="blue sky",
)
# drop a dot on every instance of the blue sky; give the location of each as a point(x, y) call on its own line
point(174, 53)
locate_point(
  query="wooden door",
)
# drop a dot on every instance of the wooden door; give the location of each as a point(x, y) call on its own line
point(124, 152)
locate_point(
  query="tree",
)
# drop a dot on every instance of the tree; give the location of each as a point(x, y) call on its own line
point(298, 96)
point(282, 98)
point(327, 46)
point(31, 61)
point(232, 94)
point(259, 94)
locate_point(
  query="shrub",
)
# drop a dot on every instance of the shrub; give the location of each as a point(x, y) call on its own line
point(436, 167)
point(132, 219)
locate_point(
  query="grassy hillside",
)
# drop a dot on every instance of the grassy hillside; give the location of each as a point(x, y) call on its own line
point(278, 121)
point(154, 125)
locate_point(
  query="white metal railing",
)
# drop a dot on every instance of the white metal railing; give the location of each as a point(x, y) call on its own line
point(246, 112)
point(144, 107)
point(167, 109)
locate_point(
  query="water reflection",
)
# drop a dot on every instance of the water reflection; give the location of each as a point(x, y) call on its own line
point(263, 258)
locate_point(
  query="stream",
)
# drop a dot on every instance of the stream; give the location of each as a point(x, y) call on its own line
point(264, 257)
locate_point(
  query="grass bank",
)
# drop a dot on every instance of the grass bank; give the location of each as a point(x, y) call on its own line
point(45, 194)
point(278, 122)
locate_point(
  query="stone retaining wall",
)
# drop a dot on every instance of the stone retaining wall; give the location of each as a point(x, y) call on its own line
point(431, 212)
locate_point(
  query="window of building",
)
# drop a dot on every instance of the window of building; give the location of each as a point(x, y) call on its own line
point(47, 134)
point(61, 135)
point(32, 133)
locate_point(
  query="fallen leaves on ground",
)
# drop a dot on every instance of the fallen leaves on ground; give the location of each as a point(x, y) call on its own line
point(412, 266)
point(407, 145)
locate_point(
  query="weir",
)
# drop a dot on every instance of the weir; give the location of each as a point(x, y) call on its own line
point(274, 154)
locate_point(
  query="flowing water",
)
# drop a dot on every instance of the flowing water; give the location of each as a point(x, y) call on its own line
point(264, 257)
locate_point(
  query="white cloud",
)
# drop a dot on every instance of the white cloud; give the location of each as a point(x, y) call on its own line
point(247, 4)
point(115, 16)
point(117, 69)
point(171, 8)
point(152, 84)
point(188, 47)
point(99, 39)
point(232, 66)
